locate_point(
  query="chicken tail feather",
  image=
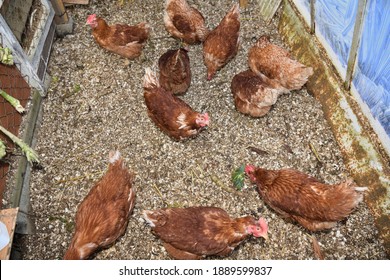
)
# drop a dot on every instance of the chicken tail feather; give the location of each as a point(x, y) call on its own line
point(273, 83)
point(147, 215)
point(361, 189)
point(235, 9)
point(114, 156)
point(301, 77)
point(150, 79)
point(145, 26)
point(154, 218)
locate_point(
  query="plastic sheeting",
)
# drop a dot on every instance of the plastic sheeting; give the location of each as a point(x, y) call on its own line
point(335, 21)
point(372, 75)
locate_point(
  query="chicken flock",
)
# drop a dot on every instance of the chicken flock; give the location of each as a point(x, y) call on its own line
point(198, 232)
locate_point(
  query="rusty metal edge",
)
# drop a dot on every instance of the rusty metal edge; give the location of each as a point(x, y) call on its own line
point(362, 152)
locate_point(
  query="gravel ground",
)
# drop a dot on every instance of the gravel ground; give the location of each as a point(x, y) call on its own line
point(95, 103)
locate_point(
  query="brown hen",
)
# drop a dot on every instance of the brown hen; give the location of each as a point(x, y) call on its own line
point(296, 195)
point(253, 95)
point(103, 215)
point(222, 43)
point(175, 71)
point(195, 232)
point(171, 114)
point(276, 63)
point(184, 22)
point(125, 40)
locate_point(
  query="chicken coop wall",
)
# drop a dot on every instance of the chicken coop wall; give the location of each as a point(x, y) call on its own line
point(363, 154)
point(12, 82)
point(29, 36)
point(355, 35)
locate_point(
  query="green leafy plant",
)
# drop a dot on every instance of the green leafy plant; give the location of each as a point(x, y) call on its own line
point(30, 154)
point(238, 177)
point(55, 79)
point(76, 88)
point(6, 56)
point(3, 151)
point(13, 101)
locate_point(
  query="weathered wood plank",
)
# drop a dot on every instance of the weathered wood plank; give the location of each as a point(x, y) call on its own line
point(312, 16)
point(8, 217)
point(268, 8)
point(357, 33)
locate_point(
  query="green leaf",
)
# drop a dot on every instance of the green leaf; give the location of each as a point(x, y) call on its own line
point(13, 101)
point(238, 177)
point(3, 151)
point(30, 154)
point(6, 56)
point(76, 88)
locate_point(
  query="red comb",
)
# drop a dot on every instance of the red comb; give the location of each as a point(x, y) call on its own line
point(263, 222)
point(249, 169)
point(91, 18)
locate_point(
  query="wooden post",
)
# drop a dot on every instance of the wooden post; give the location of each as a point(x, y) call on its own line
point(312, 16)
point(61, 16)
point(357, 33)
point(268, 9)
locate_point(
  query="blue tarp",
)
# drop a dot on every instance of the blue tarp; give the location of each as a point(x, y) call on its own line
point(372, 78)
point(335, 20)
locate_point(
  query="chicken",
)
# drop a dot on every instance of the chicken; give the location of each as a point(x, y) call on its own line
point(274, 62)
point(254, 96)
point(300, 197)
point(222, 43)
point(103, 215)
point(195, 232)
point(175, 71)
point(127, 41)
point(171, 114)
point(184, 22)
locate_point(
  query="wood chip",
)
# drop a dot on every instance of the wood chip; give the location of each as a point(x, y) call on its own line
point(258, 151)
point(82, 2)
point(243, 4)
